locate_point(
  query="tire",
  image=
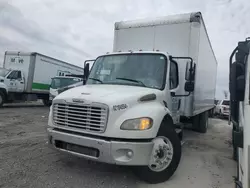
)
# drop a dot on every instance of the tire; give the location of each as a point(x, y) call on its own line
point(46, 102)
point(235, 154)
point(220, 114)
point(200, 122)
point(235, 149)
point(2, 98)
point(211, 113)
point(146, 173)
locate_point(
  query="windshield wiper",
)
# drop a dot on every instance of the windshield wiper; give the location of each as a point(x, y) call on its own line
point(96, 79)
point(132, 80)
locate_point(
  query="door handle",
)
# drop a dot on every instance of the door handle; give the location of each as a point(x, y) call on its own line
point(179, 104)
point(21, 82)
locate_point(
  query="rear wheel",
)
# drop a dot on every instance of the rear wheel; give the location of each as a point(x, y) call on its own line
point(165, 156)
point(200, 122)
point(2, 98)
point(211, 113)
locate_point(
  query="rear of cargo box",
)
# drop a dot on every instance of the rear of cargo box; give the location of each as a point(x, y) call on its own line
point(47, 68)
point(206, 74)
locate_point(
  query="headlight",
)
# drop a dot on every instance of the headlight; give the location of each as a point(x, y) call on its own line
point(137, 124)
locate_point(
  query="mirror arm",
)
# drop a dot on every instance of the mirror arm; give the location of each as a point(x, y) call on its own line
point(191, 61)
point(86, 61)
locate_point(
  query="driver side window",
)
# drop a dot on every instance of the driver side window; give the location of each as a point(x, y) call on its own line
point(13, 75)
point(174, 75)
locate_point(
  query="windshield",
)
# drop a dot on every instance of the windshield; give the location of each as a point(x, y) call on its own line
point(62, 82)
point(4, 72)
point(225, 103)
point(145, 70)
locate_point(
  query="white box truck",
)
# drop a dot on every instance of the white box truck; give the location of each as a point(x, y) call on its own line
point(240, 111)
point(68, 81)
point(161, 73)
point(62, 83)
point(27, 76)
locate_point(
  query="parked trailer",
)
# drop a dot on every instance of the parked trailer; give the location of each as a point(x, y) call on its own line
point(162, 73)
point(27, 76)
point(240, 111)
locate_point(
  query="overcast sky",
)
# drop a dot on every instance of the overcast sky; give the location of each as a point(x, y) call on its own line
point(75, 30)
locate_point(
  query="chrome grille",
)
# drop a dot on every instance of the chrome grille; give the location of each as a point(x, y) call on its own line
point(85, 117)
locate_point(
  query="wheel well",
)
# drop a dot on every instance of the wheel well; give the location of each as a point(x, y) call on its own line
point(167, 118)
point(4, 92)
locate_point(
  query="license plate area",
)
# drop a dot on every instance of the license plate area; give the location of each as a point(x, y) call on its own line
point(93, 152)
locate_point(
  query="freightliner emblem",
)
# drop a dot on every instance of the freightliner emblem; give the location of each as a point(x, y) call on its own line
point(78, 100)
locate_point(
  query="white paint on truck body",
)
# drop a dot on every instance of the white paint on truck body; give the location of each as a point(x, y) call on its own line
point(15, 61)
point(111, 95)
point(38, 69)
point(244, 122)
point(134, 85)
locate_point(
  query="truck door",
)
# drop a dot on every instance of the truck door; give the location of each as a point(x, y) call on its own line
point(173, 86)
point(15, 81)
point(19, 82)
point(10, 81)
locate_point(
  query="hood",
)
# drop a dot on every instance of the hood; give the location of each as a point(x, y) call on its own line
point(107, 94)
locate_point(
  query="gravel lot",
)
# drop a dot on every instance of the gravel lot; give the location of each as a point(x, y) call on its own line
point(26, 161)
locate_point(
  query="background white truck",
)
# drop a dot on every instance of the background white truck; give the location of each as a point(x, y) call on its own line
point(68, 81)
point(62, 83)
point(161, 74)
point(27, 76)
point(240, 111)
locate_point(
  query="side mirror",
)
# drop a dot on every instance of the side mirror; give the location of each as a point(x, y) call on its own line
point(86, 73)
point(190, 71)
point(240, 88)
point(237, 82)
point(189, 86)
point(187, 73)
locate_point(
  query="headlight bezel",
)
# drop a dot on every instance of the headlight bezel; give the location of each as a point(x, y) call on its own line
point(137, 124)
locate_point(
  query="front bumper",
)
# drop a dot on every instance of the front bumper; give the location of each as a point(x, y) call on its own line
point(113, 152)
point(225, 113)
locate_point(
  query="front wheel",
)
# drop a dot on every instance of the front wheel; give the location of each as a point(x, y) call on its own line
point(165, 156)
point(2, 98)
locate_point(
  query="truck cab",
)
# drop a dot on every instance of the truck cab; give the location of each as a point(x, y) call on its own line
point(60, 82)
point(127, 99)
point(240, 110)
point(135, 98)
point(11, 81)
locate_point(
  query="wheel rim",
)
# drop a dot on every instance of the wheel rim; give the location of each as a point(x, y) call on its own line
point(162, 154)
